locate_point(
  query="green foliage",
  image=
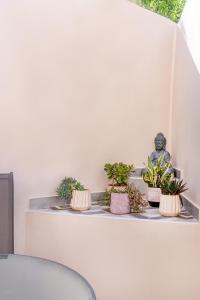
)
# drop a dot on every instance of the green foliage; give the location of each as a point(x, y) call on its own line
point(173, 187)
point(171, 9)
point(106, 198)
point(137, 203)
point(157, 174)
point(118, 172)
point(67, 186)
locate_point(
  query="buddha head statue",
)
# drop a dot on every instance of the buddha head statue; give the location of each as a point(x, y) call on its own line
point(160, 142)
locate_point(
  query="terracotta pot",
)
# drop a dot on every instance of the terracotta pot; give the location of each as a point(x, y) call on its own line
point(120, 188)
point(119, 203)
point(153, 196)
point(81, 200)
point(170, 205)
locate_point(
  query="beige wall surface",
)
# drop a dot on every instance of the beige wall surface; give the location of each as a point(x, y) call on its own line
point(186, 107)
point(82, 83)
point(132, 260)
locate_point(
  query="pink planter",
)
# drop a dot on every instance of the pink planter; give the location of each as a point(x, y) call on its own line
point(119, 204)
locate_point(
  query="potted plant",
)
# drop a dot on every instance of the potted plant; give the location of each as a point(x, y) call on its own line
point(136, 199)
point(154, 176)
point(170, 202)
point(81, 200)
point(117, 174)
point(70, 190)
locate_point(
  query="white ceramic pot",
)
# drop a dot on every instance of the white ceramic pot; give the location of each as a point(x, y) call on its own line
point(81, 200)
point(153, 196)
point(170, 205)
point(119, 204)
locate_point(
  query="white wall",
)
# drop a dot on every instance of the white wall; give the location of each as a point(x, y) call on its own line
point(82, 83)
point(190, 27)
point(186, 106)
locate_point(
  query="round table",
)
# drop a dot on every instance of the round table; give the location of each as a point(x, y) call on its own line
point(31, 278)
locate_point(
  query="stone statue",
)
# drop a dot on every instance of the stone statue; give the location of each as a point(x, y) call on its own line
point(160, 150)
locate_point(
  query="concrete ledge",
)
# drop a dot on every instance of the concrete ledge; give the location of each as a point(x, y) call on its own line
point(190, 207)
point(46, 202)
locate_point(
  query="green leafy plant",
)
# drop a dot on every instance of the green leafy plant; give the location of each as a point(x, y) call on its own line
point(171, 9)
point(157, 174)
point(106, 200)
point(173, 187)
point(67, 186)
point(136, 199)
point(118, 173)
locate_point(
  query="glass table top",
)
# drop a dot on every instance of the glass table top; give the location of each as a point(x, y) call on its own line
point(30, 278)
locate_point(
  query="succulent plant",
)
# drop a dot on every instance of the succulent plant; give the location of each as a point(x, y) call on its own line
point(173, 187)
point(157, 174)
point(118, 173)
point(67, 186)
point(137, 202)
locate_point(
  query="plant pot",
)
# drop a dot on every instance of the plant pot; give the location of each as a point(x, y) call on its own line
point(81, 200)
point(153, 196)
point(119, 204)
point(120, 188)
point(170, 205)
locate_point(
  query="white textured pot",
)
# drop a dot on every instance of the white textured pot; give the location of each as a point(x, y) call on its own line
point(81, 200)
point(153, 196)
point(170, 205)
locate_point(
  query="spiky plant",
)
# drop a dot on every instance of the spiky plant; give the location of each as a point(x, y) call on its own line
point(157, 174)
point(173, 187)
point(136, 200)
point(67, 186)
point(118, 173)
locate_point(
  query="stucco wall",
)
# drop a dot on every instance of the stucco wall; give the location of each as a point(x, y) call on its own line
point(122, 259)
point(82, 83)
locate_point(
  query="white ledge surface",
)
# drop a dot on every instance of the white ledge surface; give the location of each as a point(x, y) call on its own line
point(149, 215)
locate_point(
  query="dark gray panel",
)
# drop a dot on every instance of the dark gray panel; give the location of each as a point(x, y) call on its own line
point(6, 213)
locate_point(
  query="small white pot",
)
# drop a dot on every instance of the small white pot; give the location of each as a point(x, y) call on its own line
point(81, 200)
point(153, 196)
point(170, 205)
